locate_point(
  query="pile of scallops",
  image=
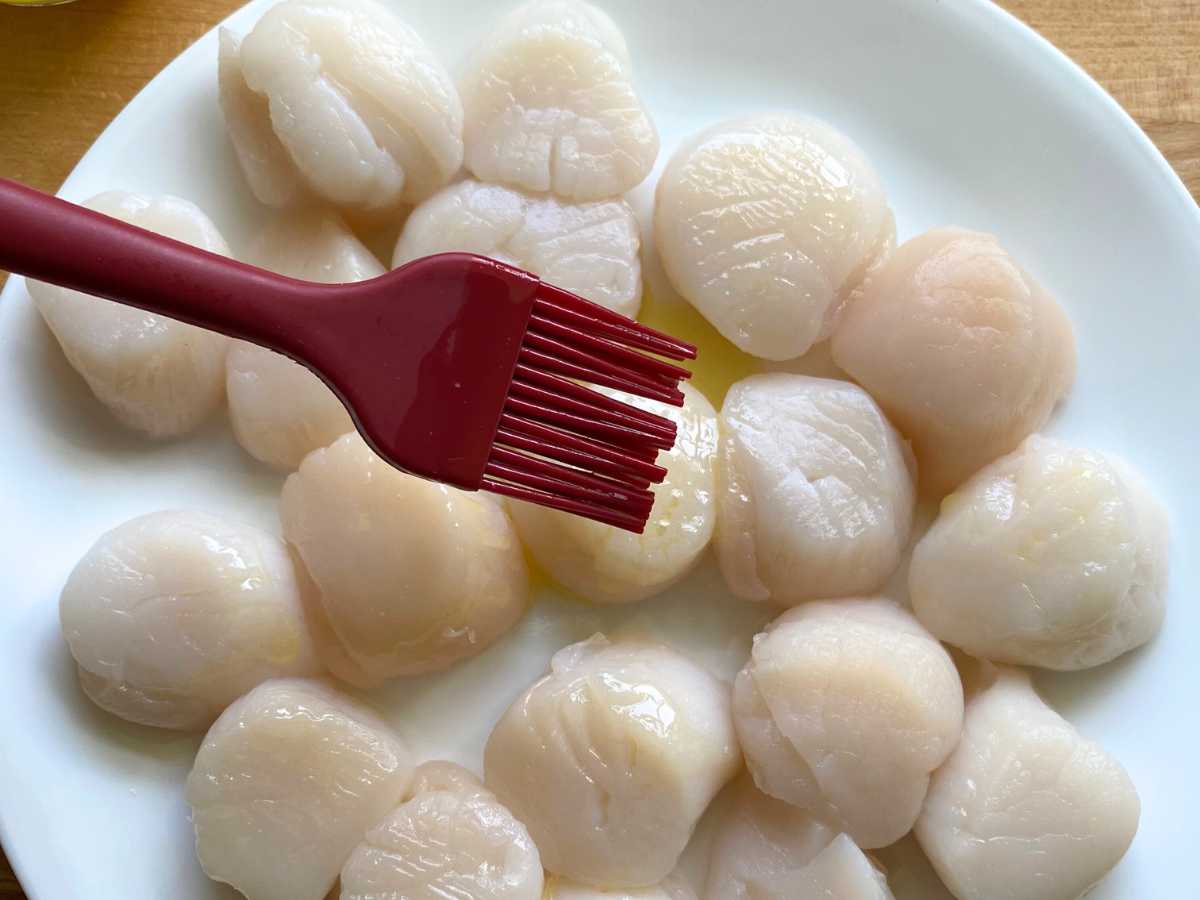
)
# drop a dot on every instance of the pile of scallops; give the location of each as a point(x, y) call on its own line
point(870, 706)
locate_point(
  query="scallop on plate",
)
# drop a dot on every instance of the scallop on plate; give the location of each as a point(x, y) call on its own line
point(968, 118)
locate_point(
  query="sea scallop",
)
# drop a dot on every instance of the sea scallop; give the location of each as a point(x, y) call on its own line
point(765, 849)
point(174, 615)
point(285, 785)
point(815, 495)
point(844, 709)
point(156, 375)
point(342, 101)
point(1052, 556)
point(590, 248)
point(767, 225)
point(450, 839)
point(963, 349)
point(611, 758)
point(411, 575)
point(1025, 808)
point(551, 106)
point(673, 887)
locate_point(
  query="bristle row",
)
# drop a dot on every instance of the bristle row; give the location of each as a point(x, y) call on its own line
point(661, 436)
point(613, 351)
point(568, 389)
point(554, 443)
point(596, 319)
point(567, 368)
point(564, 445)
point(628, 521)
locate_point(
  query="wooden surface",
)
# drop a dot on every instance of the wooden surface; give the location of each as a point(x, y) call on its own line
point(66, 71)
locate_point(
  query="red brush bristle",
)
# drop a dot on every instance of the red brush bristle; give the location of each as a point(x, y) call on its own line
point(628, 521)
point(638, 494)
point(555, 443)
point(541, 474)
point(614, 435)
point(614, 352)
point(548, 362)
point(550, 400)
point(566, 446)
point(564, 387)
point(620, 328)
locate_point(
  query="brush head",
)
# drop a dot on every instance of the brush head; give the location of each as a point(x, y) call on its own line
point(468, 371)
point(563, 445)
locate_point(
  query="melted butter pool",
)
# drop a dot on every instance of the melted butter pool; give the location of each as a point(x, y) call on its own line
point(718, 363)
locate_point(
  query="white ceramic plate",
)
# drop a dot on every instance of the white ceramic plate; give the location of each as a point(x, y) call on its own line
point(972, 120)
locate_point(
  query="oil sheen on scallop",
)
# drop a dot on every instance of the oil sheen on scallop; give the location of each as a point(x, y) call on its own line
point(285, 785)
point(611, 758)
point(411, 576)
point(172, 616)
point(1025, 808)
point(450, 839)
point(1052, 556)
point(844, 709)
point(767, 225)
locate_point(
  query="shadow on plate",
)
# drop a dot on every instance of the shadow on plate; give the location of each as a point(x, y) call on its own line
point(1072, 694)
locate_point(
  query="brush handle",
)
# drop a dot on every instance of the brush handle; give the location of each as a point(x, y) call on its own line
point(52, 240)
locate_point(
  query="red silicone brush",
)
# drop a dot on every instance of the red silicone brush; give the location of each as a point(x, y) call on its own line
point(455, 367)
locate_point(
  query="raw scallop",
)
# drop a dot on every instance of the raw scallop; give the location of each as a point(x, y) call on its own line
point(963, 349)
point(590, 249)
point(768, 225)
point(174, 615)
point(1051, 556)
point(844, 710)
point(452, 839)
point(550, 105)
point(765, 849)
point(341, 100)
point(815, 493)
point(611, 759)
point(270, 172)
point(281, 411)
point(412, 576)
point(609, 565)
point(156, 375)
point(286, 783)
point(1025, 808)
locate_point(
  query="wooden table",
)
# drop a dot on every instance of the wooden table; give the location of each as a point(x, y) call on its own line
point(65, 72)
